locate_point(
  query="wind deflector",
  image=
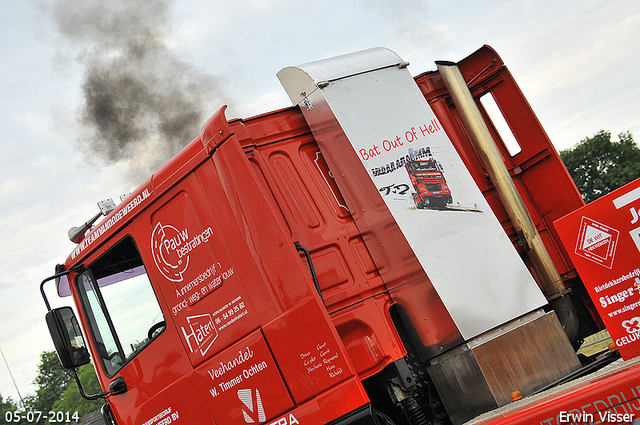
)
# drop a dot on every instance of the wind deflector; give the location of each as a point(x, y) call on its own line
point(215, 131)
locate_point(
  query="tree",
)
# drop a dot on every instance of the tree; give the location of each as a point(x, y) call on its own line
point(599, 165)
point(52, 380)
point(57, 390)
point(6, 406)
point(72, 401)
point(8, 409)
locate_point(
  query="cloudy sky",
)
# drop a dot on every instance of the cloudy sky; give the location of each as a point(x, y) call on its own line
point(65, 65)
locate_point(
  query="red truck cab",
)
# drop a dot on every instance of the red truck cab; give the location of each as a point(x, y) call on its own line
point(197, 306)
point(427, 178)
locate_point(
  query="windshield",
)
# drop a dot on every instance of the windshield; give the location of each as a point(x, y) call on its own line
point(121, 307)
point(423, 166)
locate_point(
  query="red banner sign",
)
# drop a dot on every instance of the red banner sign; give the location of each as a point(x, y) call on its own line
point(603, 239)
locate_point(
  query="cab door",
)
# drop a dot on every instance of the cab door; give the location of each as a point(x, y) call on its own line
point(133, 343)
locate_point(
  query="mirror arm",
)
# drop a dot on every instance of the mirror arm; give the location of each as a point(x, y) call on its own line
point(72, 371)
point(84, 395)
point(55, 276)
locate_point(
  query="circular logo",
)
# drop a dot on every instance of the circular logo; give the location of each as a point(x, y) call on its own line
point(164, 243)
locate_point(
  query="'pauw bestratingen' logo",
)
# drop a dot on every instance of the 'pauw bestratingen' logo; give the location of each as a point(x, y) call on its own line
point(165, 241)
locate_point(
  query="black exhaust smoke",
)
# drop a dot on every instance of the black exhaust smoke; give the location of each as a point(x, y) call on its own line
point(141, 101)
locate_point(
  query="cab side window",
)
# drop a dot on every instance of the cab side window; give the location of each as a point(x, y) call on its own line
point(120, 305)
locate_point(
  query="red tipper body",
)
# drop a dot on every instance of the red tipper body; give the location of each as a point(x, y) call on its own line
point(238, 331)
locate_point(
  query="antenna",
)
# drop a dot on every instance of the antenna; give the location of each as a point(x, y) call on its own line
point(14, 381)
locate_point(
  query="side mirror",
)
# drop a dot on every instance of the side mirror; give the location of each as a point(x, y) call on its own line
point(67, 337)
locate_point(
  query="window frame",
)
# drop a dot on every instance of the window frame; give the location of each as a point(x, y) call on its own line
point(95, 330)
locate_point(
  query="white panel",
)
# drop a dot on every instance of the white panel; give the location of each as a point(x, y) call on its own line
point(462, 247)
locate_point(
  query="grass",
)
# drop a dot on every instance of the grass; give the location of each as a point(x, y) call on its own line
point(596, 343)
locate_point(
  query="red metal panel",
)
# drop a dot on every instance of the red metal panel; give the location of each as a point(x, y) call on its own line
point(231, 187)
point(292, 293)
point(311, 362)
point(195, 272)
point(368, 333)
point(247, 372)
point(540, 176)
point(301, 189)
point(161, 404)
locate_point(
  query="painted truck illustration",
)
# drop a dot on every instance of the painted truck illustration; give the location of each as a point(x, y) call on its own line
point(427, 178)
point(259, 277)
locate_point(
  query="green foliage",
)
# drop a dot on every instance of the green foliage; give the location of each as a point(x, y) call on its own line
point(72, 401)
point(599, 165)
point(57, 390)
point(7, 410)
point(52, 380)
point(5, 406)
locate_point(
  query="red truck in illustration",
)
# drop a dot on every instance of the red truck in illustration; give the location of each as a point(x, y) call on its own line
point(277, 271)
point(427, 178)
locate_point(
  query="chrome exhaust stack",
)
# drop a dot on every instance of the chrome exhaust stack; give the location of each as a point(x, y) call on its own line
point(550, 280)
